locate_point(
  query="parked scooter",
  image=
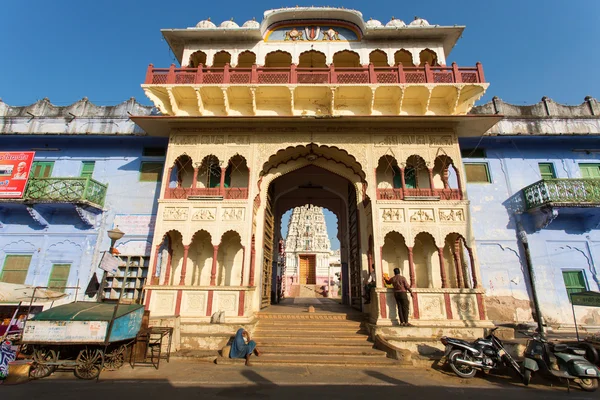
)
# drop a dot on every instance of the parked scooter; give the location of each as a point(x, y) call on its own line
point(557, 360)
point(483, 354)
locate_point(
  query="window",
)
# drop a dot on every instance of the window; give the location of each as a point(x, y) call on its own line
point(590, 171)
point(87, 169)
point(15, 269)
point(547, 170)
point(477, 173)
point(151, 171)
point(574, 282)
point(154, 152)
point(42, 169)
point(59, 276)
point(410, 177)
point(472, 153)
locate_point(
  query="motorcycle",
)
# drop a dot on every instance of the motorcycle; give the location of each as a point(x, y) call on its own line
point(558, 360)
point(486, 354)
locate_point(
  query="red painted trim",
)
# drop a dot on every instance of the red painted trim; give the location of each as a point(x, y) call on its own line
point(415, 300)
point(209, 303)
point(186, 250)
point(442, 267)
point(241, 303)
point(178, 304)
point(383, 305)
point(153, 278)
point(147, 299)
point(448, 306)
point(213, 272)
point(243, 264)
point(480, 306)
point(252, 261)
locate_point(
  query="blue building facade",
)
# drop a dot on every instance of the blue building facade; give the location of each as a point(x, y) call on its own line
point(535, 177)
point(93, 170)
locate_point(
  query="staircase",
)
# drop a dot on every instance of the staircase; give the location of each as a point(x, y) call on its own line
point(329, 339)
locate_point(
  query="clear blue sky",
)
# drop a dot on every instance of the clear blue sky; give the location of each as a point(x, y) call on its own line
point(66, 50)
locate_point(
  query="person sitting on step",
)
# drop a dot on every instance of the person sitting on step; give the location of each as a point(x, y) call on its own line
point(401, 286)
point(243, 346)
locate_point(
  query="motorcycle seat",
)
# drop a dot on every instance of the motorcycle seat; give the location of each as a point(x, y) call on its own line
point(458, 341)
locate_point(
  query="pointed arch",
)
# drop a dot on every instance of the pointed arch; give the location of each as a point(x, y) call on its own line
point(209, 172)
point(346, 59)
point(197, 58)
point(404, 57)
point(446, 178)
point(221, 58)
point(246, 59)
point(379, 58)
point(428, 56)
point(237, 178)
point(278, 59)
point(312, 59)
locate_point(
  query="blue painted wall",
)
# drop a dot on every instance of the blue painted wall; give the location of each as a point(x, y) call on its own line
point(563, 245)
point(67, 239)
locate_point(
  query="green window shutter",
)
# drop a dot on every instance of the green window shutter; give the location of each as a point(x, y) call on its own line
point(590, 171)
point(410, 177)
point(547, 170)
point(151, 171)
point(42, 169)
point(397, 178)
point(477, 172)
point(59, 276)
point(15, 269)
point(574, 282)
point(87, 168)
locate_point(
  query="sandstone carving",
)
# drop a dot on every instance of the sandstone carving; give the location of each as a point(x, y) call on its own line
point(175, 214)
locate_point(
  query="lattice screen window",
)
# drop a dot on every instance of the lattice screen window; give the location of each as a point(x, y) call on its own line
point(477, 173)
point(574, 282)
point(151, 171)
point(59, 276)
point(15, 269)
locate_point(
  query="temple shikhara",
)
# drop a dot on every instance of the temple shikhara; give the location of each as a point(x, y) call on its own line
point(313, 106)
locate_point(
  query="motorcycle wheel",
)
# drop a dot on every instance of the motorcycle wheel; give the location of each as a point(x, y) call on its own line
point(464, 371)
point(588, 384)
point(526, 377)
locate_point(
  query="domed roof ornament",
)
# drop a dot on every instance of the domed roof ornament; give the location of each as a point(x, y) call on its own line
point(251, 24)
point(206, 24)
point(419, 22)
point(229, 24)
point(373, 23)
point(395, 23)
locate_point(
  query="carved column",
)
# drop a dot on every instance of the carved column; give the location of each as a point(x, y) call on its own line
point(459, 181)
point(473, 269)
point(442, 267)
point(445, 175)
point(167, 192)
point(195, 179)
point(222, 183)
point(430, 170)
point(411, 268)
point(458, 265)
point(168, 271)
point(243, 263)
point(213, 272)
point(153, 278)
point(403, 181)
point(186, 250)
point(252, 261)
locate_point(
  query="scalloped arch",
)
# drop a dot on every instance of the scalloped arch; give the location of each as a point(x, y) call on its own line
point(17, 242)
point(231, 231)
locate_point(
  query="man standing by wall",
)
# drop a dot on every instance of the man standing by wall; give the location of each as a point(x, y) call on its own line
point(401, 286)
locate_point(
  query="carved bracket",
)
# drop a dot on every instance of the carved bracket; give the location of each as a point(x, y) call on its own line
point(544, 216)
point(37, 217)
point(86, 216)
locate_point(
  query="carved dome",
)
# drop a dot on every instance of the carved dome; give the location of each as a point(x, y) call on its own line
point(373, 23)
point(206, 24)
point(229, 24)
point(419, 22)
point(397, 23)
point(251, 24)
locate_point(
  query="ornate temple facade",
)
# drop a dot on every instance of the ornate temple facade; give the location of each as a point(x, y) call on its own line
point(313, 106)
point(308, 250)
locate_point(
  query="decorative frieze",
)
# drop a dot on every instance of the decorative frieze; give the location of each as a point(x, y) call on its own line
point(232, 214)
point(422, 215)
point(452, 215)
point(440, 140)
point(204, 214)
point(396, 140)
point(392, 215)
point(191, 140)
point(431, 306)
point(175, 214)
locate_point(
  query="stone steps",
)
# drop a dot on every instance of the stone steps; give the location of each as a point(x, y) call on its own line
point(298, 360)
point(322, 351)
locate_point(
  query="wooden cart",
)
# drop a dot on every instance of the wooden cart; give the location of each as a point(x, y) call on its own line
point(84, 336)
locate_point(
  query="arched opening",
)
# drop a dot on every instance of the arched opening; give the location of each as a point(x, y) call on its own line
point(246, 59)
point(446, 179)
point(346, 59)
point(459, 261)
point(221, 58)
point(394, 254)
point(197, 58)
point(229, 260)
point(425, 255)
point(416, 176)
point(200, 259)
point(379, 58)
point(403, 57)
point(170, 275)
point(389, 178)
point(236, 178)
point(181, 178)
point(312, 59)
point(209, 173)
point(278, 59)
point(428, 56)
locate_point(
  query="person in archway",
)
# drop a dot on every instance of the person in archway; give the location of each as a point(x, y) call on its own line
point(243, 346)
point(401, 286)
point(369, 284)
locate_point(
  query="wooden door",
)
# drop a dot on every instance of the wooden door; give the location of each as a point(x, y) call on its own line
point(308, 269)
point(268, 250)
point(354, 249)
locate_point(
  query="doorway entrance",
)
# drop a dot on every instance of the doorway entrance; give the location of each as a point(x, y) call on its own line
point(308, 269)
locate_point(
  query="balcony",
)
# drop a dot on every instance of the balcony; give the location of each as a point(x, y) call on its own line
point(65, 190)
point(191, 193)
point(414, 194)
point(577, 197)
point(294, 91)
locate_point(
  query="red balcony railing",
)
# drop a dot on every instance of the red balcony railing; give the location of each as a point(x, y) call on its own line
point(227, 193)
point(367, 74)
point(400, 194)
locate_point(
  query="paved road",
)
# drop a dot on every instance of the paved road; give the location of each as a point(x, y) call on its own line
point(182, 379)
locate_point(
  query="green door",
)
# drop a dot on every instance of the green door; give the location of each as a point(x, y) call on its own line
point(590, 171)
point(87, 169)
point(42, 169)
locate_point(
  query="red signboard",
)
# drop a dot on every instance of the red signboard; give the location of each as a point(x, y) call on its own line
point(14, 172)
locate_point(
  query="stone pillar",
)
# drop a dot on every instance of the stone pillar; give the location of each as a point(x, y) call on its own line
point(411, 268)
point(153, 278)
point(169, 172)
point(186, 250)
point(473, 269)
point(458, 267)
point(442, 267)
point(195, 178)
point(252, 261)
point(403, 181)
point(168, 271)
point(213, 272)
point(430, 170)
point(222, 183)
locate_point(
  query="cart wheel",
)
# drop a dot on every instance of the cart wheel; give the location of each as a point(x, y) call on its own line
point(89, 363)
point(115, 359)
point(40, 368)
